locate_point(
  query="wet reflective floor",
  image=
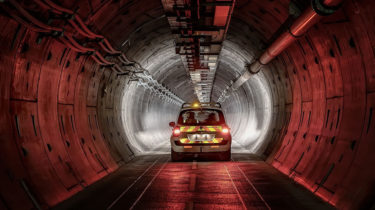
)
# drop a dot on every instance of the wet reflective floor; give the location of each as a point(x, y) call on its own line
point(154, 182)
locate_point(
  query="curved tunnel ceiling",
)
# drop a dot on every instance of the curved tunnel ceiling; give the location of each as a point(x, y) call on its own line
point(309, 112)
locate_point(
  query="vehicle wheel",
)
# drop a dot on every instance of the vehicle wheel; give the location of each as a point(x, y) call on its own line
point(175, 156)
point(225, 156)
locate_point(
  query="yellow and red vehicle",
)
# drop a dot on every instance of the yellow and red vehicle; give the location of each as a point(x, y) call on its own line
point(201, 131)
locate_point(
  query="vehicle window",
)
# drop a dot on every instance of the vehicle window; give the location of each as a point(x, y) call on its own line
point(201, 117)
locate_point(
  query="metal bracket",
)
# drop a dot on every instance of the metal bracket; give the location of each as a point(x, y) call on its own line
point(323, 10)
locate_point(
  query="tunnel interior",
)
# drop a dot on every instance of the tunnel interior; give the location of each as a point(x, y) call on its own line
point(146, 118)
point(67, 120)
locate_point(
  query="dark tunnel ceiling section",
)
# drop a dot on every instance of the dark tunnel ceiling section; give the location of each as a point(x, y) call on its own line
point(61, 118)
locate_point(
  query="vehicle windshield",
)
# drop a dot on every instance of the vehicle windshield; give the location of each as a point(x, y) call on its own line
point(201, 117)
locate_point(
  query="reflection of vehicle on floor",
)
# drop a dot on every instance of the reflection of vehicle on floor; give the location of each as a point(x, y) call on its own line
point(200, 130)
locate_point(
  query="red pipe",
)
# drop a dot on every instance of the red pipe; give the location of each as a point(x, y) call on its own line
point(25, 23)
point(67, 43)
point(300, 26)
point(46, 6)
point(83, 33)
point(101, 58)
point(122, 60)
point(87, 30)
point(110, 46)
point(80, 31)
point(81, 27)
point(105, 48)
point(123, 56)
point(97, 60)
point(59, 8)
point(32, 19)
point(101, 44)
point(68, 38)
point(305, 21)
point(76, 44)
point(115, 70)
point(118, 68)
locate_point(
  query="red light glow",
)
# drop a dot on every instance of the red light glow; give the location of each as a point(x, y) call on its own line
point(176, 131)
point(225, 130)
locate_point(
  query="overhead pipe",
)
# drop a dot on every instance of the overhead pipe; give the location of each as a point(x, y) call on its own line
point(311, 16)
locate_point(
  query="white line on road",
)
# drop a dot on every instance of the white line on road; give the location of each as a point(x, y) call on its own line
point(252, 185)
point(194, 166)
point(235, 187)
point(149, 184)
point(192, 182)
point(130, 186)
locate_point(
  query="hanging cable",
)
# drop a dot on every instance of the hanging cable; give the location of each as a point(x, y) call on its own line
point(67, 38)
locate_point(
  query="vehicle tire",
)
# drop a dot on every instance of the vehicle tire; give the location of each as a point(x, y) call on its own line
point(225, 156)
point(175, 156)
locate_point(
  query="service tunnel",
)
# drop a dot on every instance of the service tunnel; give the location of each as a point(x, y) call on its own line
point(88, 88)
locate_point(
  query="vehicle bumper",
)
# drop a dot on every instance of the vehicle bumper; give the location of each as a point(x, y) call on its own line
point(211, 148)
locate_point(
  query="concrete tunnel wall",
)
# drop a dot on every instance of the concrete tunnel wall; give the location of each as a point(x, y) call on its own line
point(65, 120)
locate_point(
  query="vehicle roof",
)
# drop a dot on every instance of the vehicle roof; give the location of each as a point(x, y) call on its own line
point(189, 106)
point(202, 108)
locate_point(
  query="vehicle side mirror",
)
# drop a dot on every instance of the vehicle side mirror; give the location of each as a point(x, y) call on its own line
point(172, 124)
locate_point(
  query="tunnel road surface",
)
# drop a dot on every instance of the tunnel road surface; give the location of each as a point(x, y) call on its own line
point(154, 182)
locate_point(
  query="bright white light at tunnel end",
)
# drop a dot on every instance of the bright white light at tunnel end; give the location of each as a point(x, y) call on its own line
point(145, 120)
point(247, 131)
